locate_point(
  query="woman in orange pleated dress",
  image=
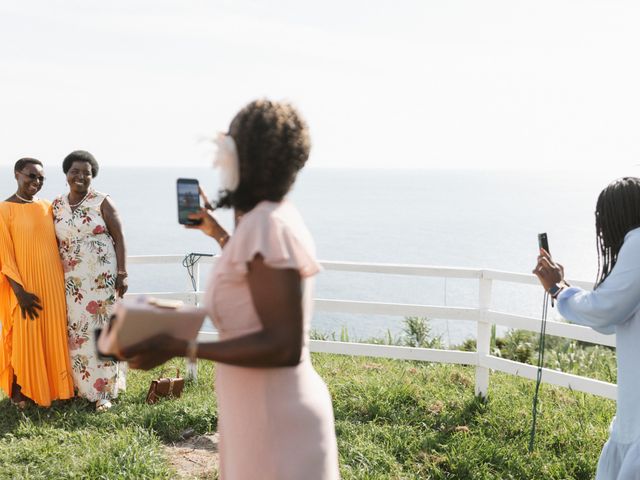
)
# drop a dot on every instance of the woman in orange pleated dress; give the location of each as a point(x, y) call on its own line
point(34, 356)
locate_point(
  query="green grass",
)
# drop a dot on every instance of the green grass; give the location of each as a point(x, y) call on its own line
point(71, 441)
point(394, 420)
point(404, 420)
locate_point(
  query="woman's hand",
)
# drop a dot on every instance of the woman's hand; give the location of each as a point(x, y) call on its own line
point(548, 272)
point(209, 225)
point(122, 284)
point(154, 351)
point(29, 304)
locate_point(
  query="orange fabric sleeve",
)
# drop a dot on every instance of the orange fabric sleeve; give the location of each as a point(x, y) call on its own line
point(8, 265)
point(8, 301)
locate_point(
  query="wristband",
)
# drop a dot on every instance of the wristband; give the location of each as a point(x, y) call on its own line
point(555, 290)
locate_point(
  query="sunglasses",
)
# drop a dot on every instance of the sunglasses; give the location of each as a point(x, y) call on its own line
point(33, 176)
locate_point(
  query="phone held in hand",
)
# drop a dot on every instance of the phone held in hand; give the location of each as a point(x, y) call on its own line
point(543, 242)
point(188, 200)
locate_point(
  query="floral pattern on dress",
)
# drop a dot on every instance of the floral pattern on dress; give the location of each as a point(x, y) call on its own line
point(90, 270)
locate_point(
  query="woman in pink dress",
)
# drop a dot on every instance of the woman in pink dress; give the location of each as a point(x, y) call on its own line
point(276, 418)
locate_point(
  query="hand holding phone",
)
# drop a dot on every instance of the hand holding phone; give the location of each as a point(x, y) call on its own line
point(548, 272)
point(188, 200)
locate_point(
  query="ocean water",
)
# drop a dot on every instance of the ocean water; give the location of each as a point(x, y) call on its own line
point(458, 218)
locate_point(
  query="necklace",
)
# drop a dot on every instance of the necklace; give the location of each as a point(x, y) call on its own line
point(77, 204)
point(24, 199)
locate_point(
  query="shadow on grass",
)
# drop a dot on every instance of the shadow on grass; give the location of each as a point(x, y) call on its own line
point(73, 414)
point(10, 417)
point(168, 419)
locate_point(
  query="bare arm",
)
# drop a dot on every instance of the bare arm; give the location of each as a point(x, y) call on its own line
point(112, 221)
point(277, 298)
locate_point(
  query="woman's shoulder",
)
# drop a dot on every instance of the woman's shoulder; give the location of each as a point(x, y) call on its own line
point(10, 209)
point(629, 254)
point(268, 215)
point(631, 244)
point(277, 232)
point(97, 194)
point(96, 197)
point(5, 208)
point(282, 211)
point(277, 222)
point(57, 206)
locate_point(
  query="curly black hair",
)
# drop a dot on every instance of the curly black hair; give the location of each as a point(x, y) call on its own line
point(80, 156)
point(617, 213)
point(23, 162)
point(273, 144)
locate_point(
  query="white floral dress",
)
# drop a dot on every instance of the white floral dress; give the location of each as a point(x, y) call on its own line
point(90, 269)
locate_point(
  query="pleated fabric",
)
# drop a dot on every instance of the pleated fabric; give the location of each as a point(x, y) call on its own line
point(35, 351)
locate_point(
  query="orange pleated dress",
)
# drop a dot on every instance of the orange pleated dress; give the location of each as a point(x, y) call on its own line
point(35, 351)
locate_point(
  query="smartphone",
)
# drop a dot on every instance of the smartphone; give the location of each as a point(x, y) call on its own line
point(188, 200)
point(543, 242)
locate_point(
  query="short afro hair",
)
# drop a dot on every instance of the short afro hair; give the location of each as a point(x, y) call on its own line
point(23, 162)
point(273, 144)
point(80, 156)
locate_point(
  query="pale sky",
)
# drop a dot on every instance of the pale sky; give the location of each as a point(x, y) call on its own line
point(424, 83)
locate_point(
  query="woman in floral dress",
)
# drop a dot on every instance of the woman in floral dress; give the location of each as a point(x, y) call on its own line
point(93, 258)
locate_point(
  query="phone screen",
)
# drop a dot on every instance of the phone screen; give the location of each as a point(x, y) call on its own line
point(188, 200)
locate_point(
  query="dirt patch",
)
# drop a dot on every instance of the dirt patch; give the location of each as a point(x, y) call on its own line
point(195, 457)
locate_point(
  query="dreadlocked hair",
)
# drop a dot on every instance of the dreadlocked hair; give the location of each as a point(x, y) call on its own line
point(273, 144)
point(617, 213)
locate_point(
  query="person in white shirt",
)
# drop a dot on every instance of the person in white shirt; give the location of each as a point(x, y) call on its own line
point(612, 307)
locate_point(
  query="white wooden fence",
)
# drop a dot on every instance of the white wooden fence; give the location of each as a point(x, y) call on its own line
point(483, 315)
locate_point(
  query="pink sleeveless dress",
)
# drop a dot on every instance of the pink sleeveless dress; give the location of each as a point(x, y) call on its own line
point(274, 423)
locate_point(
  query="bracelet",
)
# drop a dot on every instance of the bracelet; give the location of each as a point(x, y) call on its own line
point(192, 351)
point(555, 289)
point(122, 273)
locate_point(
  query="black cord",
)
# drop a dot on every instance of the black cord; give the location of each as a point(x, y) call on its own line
point(189, 262)
point(541, 342)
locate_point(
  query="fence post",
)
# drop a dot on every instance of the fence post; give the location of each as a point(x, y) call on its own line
point(483, 343)
point(192, 367)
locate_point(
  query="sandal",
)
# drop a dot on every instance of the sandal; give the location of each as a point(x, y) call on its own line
point(103, 405)
point(17, 398)
point(19, 404)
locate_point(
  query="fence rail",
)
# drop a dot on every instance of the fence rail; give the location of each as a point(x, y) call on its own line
point(483, 315)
